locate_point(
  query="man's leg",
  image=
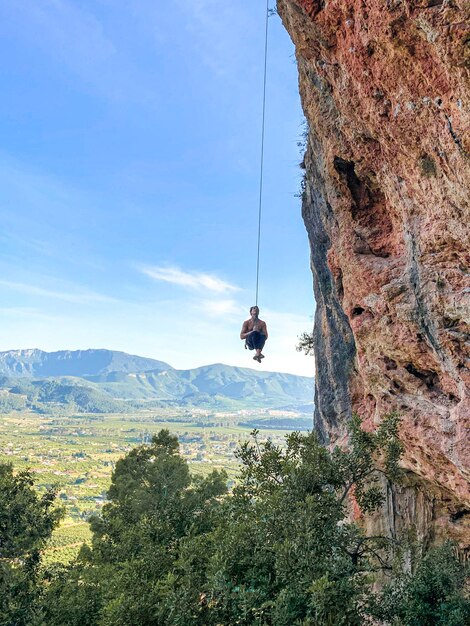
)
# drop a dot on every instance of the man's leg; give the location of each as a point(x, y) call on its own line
point(258, 342)
point(249, 342)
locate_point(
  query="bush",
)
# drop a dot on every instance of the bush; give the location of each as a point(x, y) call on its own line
point(432, 596)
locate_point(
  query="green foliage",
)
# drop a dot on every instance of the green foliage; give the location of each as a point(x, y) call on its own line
point(154, 503)
point(11, 402)
point(432, 596)
point(358, 466)
point(283, 552)
point(305, 343)
point(78, 452)
point(77, 396)
point(45, 395)
point(171, 549)
point(72, 597)
point(26, 521)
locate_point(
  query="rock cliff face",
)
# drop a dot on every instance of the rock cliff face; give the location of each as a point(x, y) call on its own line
point(386, 92)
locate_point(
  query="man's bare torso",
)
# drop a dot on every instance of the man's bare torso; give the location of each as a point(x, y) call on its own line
point(251, 324)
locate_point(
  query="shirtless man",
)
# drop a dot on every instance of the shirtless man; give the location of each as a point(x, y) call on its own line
point(255, 333)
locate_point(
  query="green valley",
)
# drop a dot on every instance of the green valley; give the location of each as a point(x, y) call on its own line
point(69, 416)
point(76, 453)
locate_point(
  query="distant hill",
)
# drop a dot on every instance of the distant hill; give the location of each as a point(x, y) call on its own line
point(40, 364)
point(105, 390)
point(48, 395)
point(213, 385)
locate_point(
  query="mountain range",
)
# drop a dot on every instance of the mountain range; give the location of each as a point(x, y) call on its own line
point(40, 364)
point(101, 381)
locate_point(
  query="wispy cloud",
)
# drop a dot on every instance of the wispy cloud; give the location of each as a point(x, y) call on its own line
point(191, 279)
point(29, 313)
point(78, 297)
point(216, 308)
point(31, 243)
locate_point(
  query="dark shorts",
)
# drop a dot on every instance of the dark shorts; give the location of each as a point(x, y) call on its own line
point(256, 340)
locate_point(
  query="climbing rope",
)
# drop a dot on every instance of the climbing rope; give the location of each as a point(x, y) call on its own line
point(261, 166)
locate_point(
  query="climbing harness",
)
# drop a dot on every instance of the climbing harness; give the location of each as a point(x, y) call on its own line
point(261, 167)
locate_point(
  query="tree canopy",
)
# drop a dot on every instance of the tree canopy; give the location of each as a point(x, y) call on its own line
point(280, 549)
point(26, 522)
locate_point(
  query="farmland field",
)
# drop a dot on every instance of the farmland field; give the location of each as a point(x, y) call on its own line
point(76, 454)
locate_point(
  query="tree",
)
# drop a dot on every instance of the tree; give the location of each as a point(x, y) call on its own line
point(154, 502)
point(432, 596)
point(27, 520)
point(279, 550)
point(283, 551)
point(306, 344)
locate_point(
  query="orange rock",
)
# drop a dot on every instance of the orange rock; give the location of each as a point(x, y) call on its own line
point(385, 89)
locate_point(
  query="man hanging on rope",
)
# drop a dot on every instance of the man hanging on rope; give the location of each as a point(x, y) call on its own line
point(254, 332)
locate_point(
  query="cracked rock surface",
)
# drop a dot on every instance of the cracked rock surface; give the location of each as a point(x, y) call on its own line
point(386, 92)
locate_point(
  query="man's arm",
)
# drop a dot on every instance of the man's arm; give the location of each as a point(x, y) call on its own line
point(265, 330)
point(244, 332)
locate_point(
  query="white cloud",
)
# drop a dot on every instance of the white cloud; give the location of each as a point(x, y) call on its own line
point(29, 313)
point(216, 308)
point(192, 279)
point(78, 297)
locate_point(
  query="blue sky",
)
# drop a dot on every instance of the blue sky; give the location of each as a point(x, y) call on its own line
point(129, 169)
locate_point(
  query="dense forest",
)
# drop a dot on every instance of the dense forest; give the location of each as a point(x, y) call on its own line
point(281, 548)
